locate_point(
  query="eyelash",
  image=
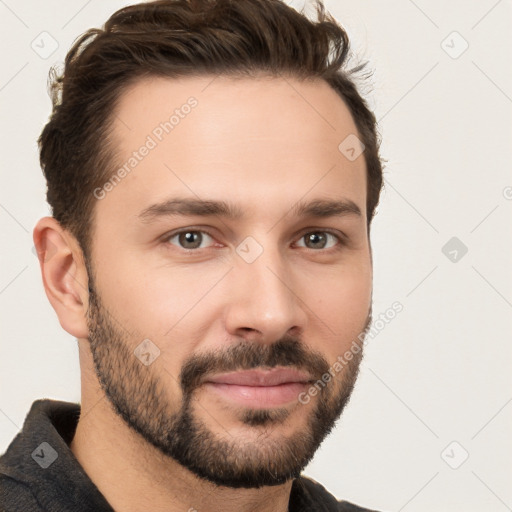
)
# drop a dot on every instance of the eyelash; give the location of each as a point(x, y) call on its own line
point(337, 235)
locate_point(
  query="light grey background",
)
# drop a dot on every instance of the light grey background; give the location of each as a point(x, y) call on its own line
point(440, 371)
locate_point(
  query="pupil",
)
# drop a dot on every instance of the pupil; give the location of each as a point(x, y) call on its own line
point(190, 238)
point(315, 238)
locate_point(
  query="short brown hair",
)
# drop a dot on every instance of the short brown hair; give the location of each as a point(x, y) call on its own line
point(174, 38)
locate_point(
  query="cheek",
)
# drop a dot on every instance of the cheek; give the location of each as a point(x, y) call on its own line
point(172, 308)
point(155, 304)
point(145, 294)
point(341, 304)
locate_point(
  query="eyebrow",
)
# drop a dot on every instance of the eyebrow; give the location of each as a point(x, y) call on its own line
point(205, 208)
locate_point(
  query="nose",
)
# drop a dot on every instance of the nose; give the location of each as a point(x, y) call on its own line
point(264, 301)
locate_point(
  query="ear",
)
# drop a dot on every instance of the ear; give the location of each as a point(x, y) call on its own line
point(64, 275)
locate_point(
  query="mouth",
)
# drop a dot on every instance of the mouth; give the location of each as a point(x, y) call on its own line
point(260, 388)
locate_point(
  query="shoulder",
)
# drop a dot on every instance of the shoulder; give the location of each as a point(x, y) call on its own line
point(15, 496)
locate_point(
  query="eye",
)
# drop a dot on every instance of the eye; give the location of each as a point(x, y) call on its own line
point(320, 240)
point(189, 239)
point(193, 239)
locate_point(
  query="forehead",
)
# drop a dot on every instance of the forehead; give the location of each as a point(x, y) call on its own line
point(217, 137)
point(222, 104)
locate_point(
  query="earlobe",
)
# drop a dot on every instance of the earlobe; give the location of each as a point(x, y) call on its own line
point(64, 275)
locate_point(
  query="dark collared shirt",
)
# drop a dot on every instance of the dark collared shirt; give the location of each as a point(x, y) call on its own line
point(39, 472)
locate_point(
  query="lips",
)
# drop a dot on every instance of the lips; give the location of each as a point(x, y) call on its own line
point(263, 378)
point(258, 389)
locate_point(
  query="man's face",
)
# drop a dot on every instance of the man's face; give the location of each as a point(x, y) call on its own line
point(243, 313)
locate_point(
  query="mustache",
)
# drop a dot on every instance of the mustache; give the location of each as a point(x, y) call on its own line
point(250, 355)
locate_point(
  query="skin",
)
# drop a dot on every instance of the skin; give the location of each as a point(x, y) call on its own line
point(263, 144)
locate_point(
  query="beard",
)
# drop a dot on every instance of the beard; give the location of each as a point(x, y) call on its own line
point(139, 396)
